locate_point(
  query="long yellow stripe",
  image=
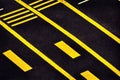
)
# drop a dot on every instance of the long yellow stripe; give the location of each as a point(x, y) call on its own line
point(17, 60)
point(67, 49)
point(38, 52)
point(26, 20)
point(48, 6)
point(17, 19)
point(93, 22)
point(12, 12)
point(10, 17)
point(79, 42)
point(89, 76)
point(43, 4)
point(35, 2)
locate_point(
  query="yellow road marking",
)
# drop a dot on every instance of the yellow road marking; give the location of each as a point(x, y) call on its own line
point(89, 76)
point(17, 60)
point(38, 52)
point(43, 3)
point(24, 21)
point(17, 19)
point(48, 6)
point(10, 17)
point(67, 49)
point(93, 22)
point(75, 39)
point(33, 3)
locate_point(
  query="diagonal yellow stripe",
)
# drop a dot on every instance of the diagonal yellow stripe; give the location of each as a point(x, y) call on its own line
point(93, 22)
point(43, 3)
point(48, 6)
point(17, 60)
point(75, 39)
point(38, 52)
point(33, 3)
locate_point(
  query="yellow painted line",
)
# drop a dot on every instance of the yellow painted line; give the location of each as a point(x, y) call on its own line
point(93, 22)
point(43, 3)
point(21, 13)
point(17, 19)
point(67, 49)
point(89, 76)
point(75, 39)
point(35, 2)
point(38, 52)
point(12, 12)
point(17, 60)
point(24, 21)
point(48, 6)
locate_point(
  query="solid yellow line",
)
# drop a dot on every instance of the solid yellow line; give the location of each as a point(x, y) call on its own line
point(79, 42)
point(26, 20)
point(89, 76)
point(93, 22)
point(42, 4)
point(10, 17)
point(17, 19)
point(35, 2)
point(38, 52)
point(12, 12)
point(48, 6)
point(17, 60)
point(67, 49)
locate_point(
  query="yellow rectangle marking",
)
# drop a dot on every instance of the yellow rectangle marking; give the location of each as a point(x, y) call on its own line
point(38, 52)
point(17, 60)
point(72, 37)
point(89, 76)
point(42, 4)
point(93, 22)
point(67, 49)
point(24, 21)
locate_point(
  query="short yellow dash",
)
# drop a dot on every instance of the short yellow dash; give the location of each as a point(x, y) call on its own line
point(89, 76)
point(67, 49)
point(17, 60)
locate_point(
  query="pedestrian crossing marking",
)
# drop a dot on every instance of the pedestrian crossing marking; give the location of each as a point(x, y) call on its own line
point(17, 60)
point(75, 39)
point(67, 49)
